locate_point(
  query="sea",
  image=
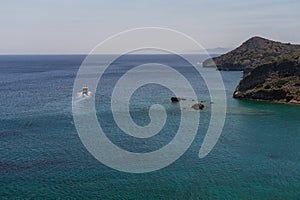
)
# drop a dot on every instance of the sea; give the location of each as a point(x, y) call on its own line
point(42, 156)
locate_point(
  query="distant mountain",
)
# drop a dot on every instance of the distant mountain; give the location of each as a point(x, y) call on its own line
point(254, 52)
point(218, 50)
point(213, 51)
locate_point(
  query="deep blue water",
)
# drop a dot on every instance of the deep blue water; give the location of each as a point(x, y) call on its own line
point(42, 157)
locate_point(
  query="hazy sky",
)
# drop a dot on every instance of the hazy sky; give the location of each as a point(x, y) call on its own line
point(76, 26)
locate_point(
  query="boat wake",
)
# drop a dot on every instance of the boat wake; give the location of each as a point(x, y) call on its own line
point(82, 97)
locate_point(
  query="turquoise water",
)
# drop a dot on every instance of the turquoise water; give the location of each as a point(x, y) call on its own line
point(42, 157)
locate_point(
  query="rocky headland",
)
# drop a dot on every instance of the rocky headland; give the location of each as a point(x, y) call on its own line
point(271, 70)
point(277, 81)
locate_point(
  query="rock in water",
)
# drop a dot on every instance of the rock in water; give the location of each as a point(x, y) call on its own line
point(176, 99)
point(198, 106)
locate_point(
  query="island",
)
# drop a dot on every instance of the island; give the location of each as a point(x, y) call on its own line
point(271, 70)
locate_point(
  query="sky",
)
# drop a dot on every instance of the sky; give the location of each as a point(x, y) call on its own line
point(77, 26)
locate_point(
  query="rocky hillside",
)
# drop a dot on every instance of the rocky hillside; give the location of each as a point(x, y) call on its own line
point(252, 53)
point(277, 80)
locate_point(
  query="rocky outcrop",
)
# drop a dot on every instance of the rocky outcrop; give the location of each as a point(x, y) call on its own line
point(276, 81)
point(253, 53)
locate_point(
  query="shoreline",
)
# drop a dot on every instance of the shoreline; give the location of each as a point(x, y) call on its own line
point(295, 102)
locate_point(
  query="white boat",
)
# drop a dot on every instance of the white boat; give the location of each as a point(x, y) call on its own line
point(85, 90)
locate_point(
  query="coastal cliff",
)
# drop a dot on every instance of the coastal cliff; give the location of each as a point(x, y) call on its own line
point(271, 70)
point(275, 81)
point(253, 53)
